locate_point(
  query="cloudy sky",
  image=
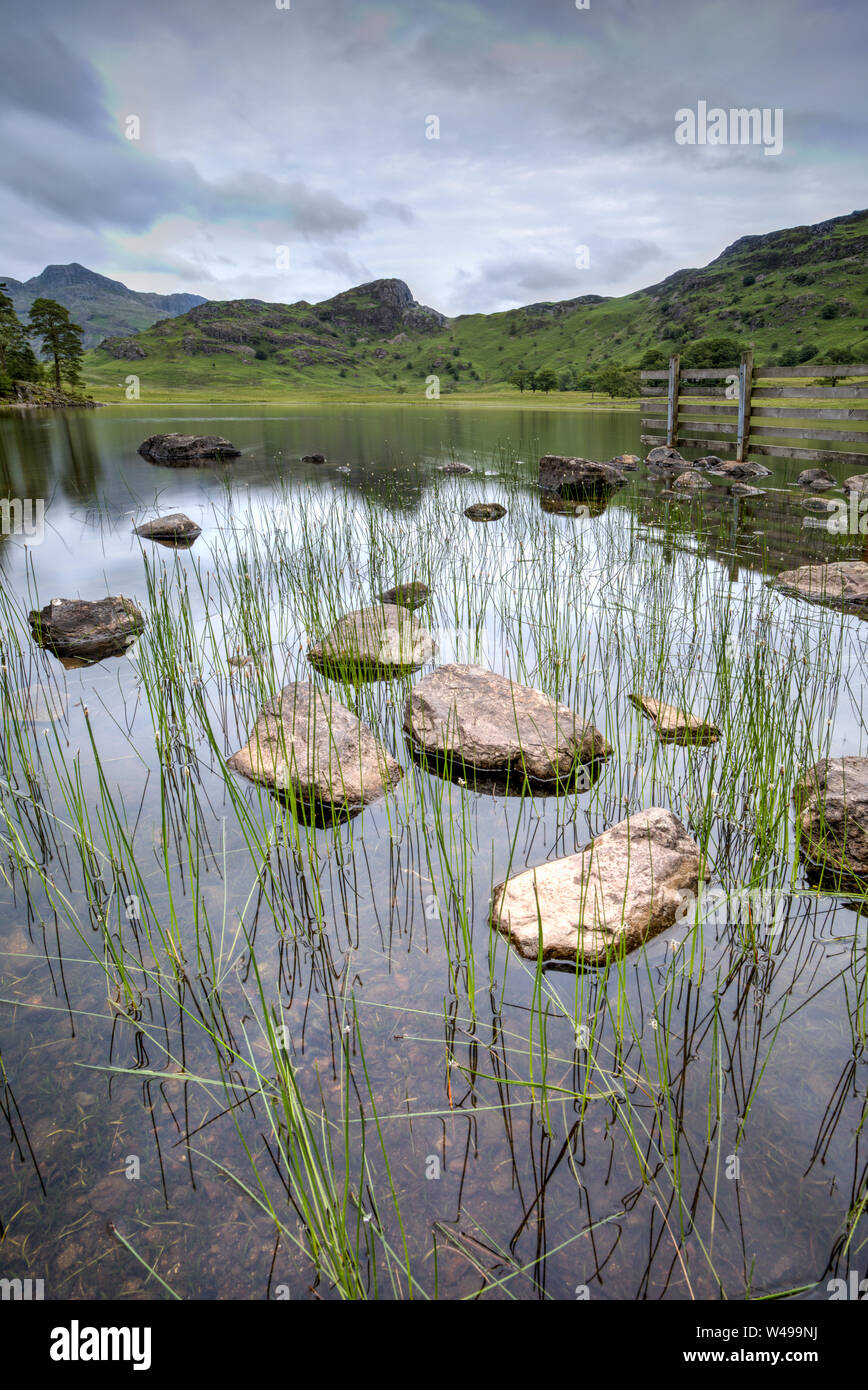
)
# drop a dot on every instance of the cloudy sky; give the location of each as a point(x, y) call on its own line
point(270, 135)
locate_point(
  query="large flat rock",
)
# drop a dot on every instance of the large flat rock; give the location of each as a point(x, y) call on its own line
point(577, 477)
point(377, 642)
point(179, 449)
point(842, 583)
point(490, 723)
point(675, 724)
point(307, 744)
point(623, 888)
point(831, 801)
point(87, 631)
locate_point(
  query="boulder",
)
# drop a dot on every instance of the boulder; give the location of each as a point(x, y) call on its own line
point(485, 511)
point(82, 631)
point(626, 886)
point(313, 458)
point(410, 595)
point(308, 746)
point(674, 723)
point(575, 477)
point(454, 469)
point(810, 477)
point(173, 529)
point(732, 468)
point(691, 481)
point(664, 454)
point(858, 483)
point(630, 462)
point(369, 643)
point(467, 715)
point(831, 801)
point(841, 583)
point(179, 449)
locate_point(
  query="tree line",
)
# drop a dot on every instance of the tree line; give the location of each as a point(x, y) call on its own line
point(60, 341)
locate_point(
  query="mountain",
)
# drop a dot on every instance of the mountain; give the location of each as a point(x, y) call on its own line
point(101, 306)
point(798, 294)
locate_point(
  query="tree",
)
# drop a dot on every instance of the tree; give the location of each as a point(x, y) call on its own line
point(615, 381)
point(61, 339)
point(12, 333)
point(521, 378)
point(546, 380)
point(712, 352)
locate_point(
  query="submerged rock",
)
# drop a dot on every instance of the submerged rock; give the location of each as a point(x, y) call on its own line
point(173, 529)
point(575, 477)
point(842, 583)
point(410, 595)
point(831, 801)
point(485, 511)
point(178, 449)
point(745, 490)
point(308, 746)
point(381, 641)
point(468, 715)
point(674, 723)
point(626, 886)
point(82, 631)
point(313, 458)
point(454, 469)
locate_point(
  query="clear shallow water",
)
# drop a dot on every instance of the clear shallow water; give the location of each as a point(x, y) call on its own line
point(765, 1060)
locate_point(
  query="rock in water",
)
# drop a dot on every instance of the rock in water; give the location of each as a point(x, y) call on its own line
point(858, 483)
point(307, 745)
point(372, 643)
point(745, 490)
point(732, 468)
point(492, 724)
point(179, 449)
point(410, 595)
point(691, 481)
point(313, 458)
point(809, 477)
point(841, 583)
point(629, 461)
point(674, 723)
point(664, 454)
point(575, 477)
point(454, 469)
point(73, 628)
point(485, 511)
point(831, 801)
point(173, 529)
point(626, 886)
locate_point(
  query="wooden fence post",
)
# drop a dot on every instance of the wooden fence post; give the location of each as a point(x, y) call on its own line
point(745, 386)
point(672, 414)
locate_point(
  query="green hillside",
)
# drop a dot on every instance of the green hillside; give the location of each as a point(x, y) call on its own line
point(797, 295)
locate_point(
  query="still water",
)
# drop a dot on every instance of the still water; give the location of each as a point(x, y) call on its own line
point(720, 1151)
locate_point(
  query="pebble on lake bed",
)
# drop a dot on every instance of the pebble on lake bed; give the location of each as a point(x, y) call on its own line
point(626, 886)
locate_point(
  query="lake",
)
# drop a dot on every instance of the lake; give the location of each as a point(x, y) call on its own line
point(250, 1055)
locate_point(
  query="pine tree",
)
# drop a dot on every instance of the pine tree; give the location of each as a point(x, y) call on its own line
point(61, 339)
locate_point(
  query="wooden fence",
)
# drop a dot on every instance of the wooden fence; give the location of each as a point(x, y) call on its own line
point(729, 418)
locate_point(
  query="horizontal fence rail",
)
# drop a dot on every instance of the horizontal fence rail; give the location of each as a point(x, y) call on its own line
point(730, 413)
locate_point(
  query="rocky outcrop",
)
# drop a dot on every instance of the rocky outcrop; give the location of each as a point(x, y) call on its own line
point(83, 631)
point(475, 718)
point(577, 477)
point(123, 349)
point(831, 801)
point(844, 583)
point(179, 449)
point(676, 724)
point(628, 885)
point(308, 747)
point(372, 643)
point(173, 529)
